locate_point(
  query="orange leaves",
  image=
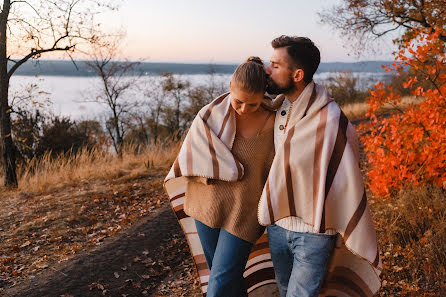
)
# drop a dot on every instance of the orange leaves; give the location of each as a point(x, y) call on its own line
point(409, 83)
point(409, 147)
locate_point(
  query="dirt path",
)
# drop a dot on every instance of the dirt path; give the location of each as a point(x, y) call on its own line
point(150, 259)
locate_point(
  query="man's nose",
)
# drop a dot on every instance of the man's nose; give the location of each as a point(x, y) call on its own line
point(244, 109)
point(268, 70)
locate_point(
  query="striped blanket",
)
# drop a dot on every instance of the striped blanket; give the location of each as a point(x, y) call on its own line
point(315, 176)
point(206, 152)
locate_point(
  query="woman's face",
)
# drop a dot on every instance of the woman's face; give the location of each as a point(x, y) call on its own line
point(244, 102)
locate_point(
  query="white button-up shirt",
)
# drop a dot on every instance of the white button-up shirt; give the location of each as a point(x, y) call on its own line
point(280, 123)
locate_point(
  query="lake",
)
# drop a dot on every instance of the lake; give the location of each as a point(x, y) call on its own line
point(72, 96)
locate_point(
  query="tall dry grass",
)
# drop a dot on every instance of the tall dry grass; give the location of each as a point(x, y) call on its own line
point(357, 111)
point(49, 173)
point(412, 235)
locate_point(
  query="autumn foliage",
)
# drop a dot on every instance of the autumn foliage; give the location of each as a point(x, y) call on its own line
point(408, 146)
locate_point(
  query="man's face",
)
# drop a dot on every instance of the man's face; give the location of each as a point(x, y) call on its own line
point(280, 73)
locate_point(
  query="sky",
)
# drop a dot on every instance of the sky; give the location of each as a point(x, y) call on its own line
point(229, 31)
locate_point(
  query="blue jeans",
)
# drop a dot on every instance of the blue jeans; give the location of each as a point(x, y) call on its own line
point(300, 260)
point(226, 256)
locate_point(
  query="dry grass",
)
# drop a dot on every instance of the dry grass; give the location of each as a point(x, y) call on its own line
point(412, 235)
point(70, 203)
point(357, 111)
point(47, 173)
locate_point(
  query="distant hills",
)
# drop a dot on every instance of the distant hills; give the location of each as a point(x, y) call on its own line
point(67, 68)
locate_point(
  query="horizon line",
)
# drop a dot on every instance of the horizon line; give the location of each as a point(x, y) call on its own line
point(192, 62)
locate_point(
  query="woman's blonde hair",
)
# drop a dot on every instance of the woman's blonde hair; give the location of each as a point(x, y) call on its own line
point(250, 76)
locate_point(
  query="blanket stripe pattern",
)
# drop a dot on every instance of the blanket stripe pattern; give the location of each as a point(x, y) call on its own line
point(206, 152)
point(328, 169)
point(316, 177)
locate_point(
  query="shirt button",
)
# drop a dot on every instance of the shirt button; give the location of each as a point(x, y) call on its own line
point(283, 113)
point(281, 127)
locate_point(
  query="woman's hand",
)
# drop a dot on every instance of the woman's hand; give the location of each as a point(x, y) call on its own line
point(271, 105)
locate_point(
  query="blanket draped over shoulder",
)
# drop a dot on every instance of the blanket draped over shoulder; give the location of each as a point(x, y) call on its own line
point(206, 152)
point(315, 176)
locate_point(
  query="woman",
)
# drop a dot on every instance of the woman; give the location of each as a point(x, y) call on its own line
point(226, 158)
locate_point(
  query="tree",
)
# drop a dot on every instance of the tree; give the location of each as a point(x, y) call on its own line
point(29, 108)
point(212, 88)
point(117, 78)
point(409, 147)
point(363, 21)
point(28, 29)
point(176, 88)
point(343, 87)
point(154, 92)
point(61, 135)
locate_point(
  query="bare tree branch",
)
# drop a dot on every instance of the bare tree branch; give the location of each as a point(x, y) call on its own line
point(27, 3)
point(32, 54)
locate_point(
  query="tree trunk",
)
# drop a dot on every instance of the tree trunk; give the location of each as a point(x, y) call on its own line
point(7, 146)
point(119, 139)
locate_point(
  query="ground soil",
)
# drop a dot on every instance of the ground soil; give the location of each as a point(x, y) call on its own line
point(113, 238)
point(150, 258)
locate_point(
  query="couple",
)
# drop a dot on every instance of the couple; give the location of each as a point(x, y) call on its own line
point(242, 167)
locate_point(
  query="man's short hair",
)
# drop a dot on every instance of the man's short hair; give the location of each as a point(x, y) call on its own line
point(303, 53)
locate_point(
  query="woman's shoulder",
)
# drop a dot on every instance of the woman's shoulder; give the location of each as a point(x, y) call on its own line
point(270, 121)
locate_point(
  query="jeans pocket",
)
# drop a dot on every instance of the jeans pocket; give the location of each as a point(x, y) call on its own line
point(316, 248)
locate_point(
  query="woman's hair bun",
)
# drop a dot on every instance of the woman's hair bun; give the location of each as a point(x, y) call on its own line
point(255, 60)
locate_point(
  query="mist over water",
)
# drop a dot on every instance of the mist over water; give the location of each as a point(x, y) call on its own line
point(72, 96)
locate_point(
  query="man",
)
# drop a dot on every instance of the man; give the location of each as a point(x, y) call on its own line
point(315, 188)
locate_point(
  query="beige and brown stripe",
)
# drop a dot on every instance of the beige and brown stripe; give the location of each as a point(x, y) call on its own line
point(318, 166)
point(206, 152)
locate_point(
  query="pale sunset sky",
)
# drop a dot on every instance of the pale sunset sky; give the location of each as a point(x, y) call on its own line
point(214, 31)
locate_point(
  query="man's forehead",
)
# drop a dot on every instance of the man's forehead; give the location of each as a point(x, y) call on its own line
point(279, 56)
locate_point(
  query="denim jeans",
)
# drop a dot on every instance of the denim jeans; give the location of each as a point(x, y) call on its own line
point(300, 260)
point(226, 256)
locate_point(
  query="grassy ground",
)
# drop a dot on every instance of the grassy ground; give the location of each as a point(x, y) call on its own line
point(357, 111)
point(411, 227)
point(72, 205)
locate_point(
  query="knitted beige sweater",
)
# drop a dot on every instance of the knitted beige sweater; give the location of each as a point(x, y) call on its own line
point(233, 205)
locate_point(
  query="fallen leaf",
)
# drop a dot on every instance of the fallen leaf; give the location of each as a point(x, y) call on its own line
point(116, 275)
point(25, 244)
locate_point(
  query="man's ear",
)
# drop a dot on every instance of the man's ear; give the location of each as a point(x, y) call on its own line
point(230, 85)
point(298, 75)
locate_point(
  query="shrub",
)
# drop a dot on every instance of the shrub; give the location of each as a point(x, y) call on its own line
point(343, 88)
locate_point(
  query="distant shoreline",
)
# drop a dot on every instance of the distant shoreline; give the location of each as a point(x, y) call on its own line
point(67, 68)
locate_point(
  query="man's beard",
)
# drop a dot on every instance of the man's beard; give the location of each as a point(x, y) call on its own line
point(274, 89)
